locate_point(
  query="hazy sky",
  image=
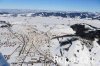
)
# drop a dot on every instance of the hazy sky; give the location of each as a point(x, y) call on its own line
point(64, 5)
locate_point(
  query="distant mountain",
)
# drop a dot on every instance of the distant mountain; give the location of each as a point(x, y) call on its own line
point(44, 13)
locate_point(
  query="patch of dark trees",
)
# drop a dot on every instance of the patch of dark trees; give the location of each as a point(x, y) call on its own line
point(5, 24)
point(68, 41)
point(86, 33)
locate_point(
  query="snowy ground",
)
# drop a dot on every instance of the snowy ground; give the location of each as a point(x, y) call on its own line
point(29, 42)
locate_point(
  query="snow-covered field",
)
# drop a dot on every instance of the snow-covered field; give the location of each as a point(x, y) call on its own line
point(30, 42)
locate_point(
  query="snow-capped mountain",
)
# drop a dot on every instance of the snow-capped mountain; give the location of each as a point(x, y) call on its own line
point(44, 13)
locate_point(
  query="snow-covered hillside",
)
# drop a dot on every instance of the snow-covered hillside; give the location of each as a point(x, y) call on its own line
point(49, 39)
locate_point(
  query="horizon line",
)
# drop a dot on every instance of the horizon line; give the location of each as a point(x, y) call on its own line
point(46, 10)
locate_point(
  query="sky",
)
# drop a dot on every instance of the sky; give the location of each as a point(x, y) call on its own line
point(59, 5)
